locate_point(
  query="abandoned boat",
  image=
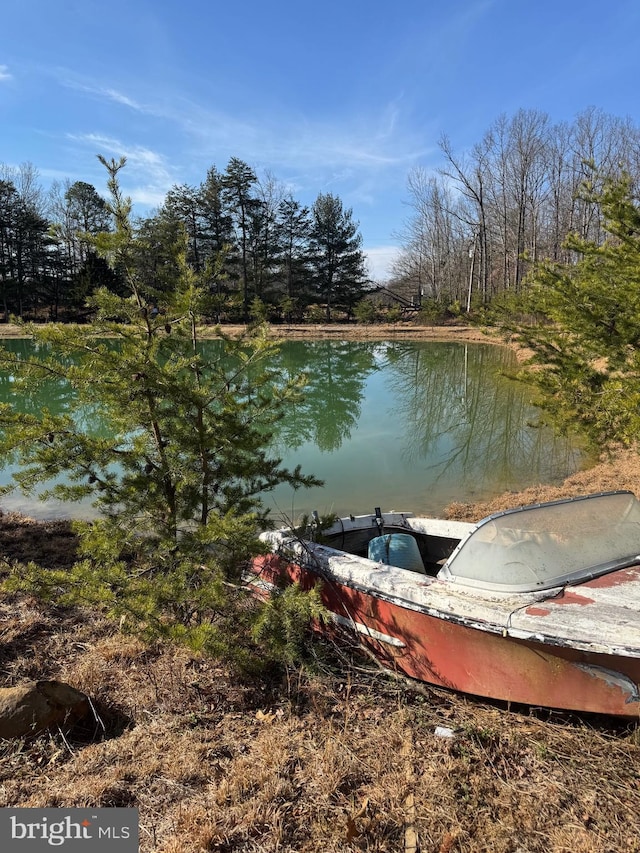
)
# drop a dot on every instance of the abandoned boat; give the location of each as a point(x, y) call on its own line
point(538, 605)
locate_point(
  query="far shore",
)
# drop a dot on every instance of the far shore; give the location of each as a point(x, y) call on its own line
point(405, 331)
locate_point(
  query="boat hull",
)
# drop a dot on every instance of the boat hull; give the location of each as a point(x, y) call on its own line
point(446, 652)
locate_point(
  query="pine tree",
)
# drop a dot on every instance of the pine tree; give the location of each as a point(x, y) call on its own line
point(336, 257)
point(237, 183)
point(173, 452)
point(293, 261)
point(586, 335)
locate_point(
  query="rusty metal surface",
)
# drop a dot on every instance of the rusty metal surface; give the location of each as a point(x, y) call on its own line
point(572, 646)
point(466, 658)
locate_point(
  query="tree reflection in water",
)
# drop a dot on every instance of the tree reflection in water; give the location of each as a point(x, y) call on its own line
point(414, 425)
point(398, 424)
point(336, 373)
point(465, 418)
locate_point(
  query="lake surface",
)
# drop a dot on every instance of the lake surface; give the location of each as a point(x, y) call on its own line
point(400, 425)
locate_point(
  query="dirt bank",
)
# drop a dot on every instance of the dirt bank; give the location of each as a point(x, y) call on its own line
point(336, 331)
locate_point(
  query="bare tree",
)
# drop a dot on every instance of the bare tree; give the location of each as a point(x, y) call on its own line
point(471, 179)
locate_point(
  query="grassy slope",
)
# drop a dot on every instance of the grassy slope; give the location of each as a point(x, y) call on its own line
point(345, 759)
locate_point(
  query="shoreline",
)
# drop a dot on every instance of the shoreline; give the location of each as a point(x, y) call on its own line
point(327, 331)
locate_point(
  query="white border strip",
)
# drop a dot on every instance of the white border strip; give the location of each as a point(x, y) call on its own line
point(369, 632)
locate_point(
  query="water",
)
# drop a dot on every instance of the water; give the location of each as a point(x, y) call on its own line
point(414, 426)
point(402, 425)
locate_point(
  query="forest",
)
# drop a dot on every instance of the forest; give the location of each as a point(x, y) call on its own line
point(475, 228)
point(261, 253)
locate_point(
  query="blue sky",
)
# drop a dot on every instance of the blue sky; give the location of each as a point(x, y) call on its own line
point(341, 96)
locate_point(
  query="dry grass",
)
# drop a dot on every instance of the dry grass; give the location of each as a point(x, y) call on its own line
point(344, 759)
point(620, 471)
point(405, 329)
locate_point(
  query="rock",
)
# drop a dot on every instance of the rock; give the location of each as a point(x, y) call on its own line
point(38, 705)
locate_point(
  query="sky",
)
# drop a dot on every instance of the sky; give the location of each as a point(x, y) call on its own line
point(337, 96)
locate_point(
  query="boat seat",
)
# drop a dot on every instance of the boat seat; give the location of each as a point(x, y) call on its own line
point(397, 549)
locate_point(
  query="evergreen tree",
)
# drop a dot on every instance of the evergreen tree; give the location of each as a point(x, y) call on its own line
point(294, 224)
point(24, 249)
point(208, 224)
point(264, 238)
point(157, 254)
point(217, 238)
point(177, 457)
point(77, 213)
point(183, 204)
point(337, 260)
point(585, 337)
point(237, 183)
point(217, 222)
point(87, 209)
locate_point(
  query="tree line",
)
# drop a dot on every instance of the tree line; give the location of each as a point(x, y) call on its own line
point(480, 224)
point(261, 253)
point(477, 227)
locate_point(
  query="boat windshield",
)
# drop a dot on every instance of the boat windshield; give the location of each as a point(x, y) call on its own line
point(549, 544)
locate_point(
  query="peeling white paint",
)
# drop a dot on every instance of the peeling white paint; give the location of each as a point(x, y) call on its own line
point(613, 679)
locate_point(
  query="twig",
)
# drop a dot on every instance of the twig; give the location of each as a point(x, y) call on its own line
point(96, 716)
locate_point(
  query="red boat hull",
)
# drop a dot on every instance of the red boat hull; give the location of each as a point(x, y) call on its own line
point(448, 653)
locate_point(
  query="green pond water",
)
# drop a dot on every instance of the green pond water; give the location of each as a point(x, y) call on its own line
point(401, 425)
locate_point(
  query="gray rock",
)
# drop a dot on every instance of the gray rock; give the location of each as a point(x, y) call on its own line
point(39, 705)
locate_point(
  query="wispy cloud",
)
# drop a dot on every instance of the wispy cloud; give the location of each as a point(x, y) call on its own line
point(119, 98)
point(350, 157)
point(358, 156)
point(276, 138)
point(147, 176)
point(5, 74)
point(70, 80)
